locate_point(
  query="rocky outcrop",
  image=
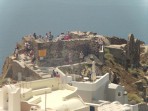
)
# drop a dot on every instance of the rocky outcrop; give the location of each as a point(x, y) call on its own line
point(59, 52)
point(133, 51)
point(116, 40)
point(141, 86)
point(127, 54)
point(64, 52)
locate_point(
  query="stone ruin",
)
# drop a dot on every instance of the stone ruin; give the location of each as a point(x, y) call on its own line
point(126, 53)
point(132, 52)
point(62, 52)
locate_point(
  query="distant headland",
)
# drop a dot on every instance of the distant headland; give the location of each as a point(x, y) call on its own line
point(36, 57)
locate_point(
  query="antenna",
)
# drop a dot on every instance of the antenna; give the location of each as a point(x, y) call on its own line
point(9, 80)
point(19, 75)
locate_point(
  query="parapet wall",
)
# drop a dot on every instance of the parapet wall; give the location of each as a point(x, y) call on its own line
point(43, 83)
point(117, 54)
point(64, 52)
point(143, 107)
point(92, 86)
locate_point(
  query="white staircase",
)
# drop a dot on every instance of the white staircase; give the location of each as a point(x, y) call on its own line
point(43, 72)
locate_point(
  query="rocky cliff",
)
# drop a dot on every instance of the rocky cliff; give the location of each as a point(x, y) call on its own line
point(133, 78)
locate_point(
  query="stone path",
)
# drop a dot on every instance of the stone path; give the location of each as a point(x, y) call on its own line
point(43, 72)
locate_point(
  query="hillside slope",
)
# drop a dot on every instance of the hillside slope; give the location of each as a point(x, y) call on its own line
point(134, 79)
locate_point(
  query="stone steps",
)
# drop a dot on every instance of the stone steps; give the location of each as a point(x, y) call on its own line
point(44, 72)
point(38, 71)
point(51, 69)
point(46, 76)
point(28, 62)
point(41, 91)
point(34, 100)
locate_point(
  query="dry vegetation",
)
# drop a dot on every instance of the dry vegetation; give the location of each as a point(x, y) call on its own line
point(127, 78)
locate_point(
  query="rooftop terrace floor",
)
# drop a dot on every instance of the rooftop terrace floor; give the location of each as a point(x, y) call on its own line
point(2, 109)
point(53, 99)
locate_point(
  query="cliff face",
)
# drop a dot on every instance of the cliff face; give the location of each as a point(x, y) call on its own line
point(59, 52)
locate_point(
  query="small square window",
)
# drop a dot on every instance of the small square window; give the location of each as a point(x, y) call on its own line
point(119, 93)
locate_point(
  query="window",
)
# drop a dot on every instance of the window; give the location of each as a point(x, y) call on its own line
point(92, 108)
point(119, 94)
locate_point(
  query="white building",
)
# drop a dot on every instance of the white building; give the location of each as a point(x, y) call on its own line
point(100, 90)
point(41, 95)
point(116, 106)
point(10, 97)
point(54, 94)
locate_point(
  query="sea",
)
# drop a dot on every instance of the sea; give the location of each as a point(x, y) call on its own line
point(105, 17)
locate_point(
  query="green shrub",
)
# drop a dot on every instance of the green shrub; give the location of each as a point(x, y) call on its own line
point(108, 55)
point(109, 59)
point(136, 98)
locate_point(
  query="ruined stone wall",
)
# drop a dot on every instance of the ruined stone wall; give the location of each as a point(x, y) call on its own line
point(129, 55)
point(11, 69)
point(64, 52)
point(117, 54)
point(6, 70)
point(117, 40)
point(133, 51)
point(143, 107)
point(25, 71)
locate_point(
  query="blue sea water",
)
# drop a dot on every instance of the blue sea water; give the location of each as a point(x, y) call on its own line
point(106, 17)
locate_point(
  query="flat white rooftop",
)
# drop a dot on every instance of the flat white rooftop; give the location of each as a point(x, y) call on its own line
point(114, 106)
point(53, 99)
point(2, 109)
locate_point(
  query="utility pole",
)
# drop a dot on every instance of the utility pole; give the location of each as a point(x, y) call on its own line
point(45, 100)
